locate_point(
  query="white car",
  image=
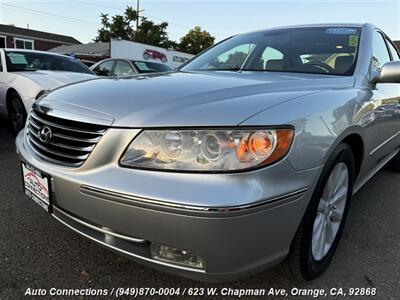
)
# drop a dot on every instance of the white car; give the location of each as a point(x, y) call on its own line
point(25, 75)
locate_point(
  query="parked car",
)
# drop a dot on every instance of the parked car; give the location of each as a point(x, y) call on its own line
point(87, 63)
point(153, 54)
point(126, 67)
point(243, 158)
point(25, 75)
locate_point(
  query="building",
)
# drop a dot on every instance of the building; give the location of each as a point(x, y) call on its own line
point(92, 51)
point(23, 38)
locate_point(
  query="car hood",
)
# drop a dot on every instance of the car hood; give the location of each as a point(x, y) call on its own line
point(187, 99)
point(50, 80)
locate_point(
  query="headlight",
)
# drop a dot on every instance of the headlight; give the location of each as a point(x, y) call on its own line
point(41, 93)
point(207, 150)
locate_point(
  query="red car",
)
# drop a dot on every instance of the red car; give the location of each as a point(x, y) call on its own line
point(154, 55)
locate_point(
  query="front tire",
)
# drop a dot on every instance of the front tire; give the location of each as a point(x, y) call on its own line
point(17, 113)
point(319, 233)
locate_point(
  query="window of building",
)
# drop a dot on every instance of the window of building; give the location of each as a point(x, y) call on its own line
point(3, 42)
point(23, 44)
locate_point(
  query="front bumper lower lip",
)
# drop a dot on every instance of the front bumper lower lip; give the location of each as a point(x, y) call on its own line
point(102, 230)
point(94, 191)
point(79, 227)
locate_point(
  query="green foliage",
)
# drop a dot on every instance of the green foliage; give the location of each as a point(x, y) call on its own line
point(195, 41)
point(122, 27)
point(152, 34)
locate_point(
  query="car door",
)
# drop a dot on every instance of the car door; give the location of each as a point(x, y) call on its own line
point(123, 68)
point(105, 68)
point(395, 56)
point(383, 131)
point(3, 85)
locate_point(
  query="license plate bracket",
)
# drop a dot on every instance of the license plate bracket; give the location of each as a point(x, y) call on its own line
point(37, 186)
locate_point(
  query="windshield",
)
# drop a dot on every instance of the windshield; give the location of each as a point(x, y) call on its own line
point(315, 50)
point(33, 61)
point(148, 67)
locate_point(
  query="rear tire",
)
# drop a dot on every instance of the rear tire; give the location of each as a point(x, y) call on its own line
point(319, 233)
point(16, 112)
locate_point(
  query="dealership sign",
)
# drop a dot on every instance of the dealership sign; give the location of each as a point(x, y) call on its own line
point(138, 51)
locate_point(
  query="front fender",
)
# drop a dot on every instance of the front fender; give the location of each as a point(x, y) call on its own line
point(26, 89)
point(321, 122)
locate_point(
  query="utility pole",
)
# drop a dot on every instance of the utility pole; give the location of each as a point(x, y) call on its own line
point(138, 11)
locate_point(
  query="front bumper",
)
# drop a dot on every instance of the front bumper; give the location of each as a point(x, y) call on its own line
point(237, 223)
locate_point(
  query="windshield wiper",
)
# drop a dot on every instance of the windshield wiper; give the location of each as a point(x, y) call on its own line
point(226, 69)
point(23, 70)
point(256, 70)
point(238, 69)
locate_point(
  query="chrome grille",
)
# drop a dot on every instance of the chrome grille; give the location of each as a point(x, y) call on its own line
point(71, 142)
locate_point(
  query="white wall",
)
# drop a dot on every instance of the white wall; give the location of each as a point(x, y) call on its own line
point(137, 51)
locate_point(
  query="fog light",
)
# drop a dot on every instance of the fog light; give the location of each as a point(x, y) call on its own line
point(176, 256)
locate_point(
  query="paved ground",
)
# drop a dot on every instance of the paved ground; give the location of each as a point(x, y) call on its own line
point(38, 252)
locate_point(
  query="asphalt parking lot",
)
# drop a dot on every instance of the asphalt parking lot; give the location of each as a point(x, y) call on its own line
point(38, 252)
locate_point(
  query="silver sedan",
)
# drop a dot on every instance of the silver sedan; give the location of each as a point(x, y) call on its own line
point(245, 157)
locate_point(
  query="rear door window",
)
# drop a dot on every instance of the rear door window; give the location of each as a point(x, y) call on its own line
point(122, 68)
point(105, 68)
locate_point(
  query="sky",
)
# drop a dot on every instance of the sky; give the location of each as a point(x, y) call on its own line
point(222, 18)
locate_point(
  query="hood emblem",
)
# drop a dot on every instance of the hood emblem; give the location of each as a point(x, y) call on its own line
point(45, 134)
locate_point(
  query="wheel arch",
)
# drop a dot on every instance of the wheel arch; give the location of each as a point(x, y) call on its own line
point(9, 92)
point(353, 137)
point(357, 146)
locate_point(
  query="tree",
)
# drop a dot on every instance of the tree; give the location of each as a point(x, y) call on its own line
point(103, 34)
point(152, 34)
point(195, 41)
point(121, 27)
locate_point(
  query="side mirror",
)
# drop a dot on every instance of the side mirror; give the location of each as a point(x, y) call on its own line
point(390, 73)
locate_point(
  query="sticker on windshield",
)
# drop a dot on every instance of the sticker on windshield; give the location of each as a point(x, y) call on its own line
point(353, 40)
point(17, 58)
point(341, 30)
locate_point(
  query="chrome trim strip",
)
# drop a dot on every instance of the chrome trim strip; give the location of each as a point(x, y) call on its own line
point(51, 160)
point(67, 137)
point(63, 146)
point(117, 235)
point(384, 143)
point(88, 189)
point(129, 253)
point(32, 123)
point(94, 132)
point(77, 157)
point(374, 171)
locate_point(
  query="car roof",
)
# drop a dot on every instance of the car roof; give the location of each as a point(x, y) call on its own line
point(359, 25)
point(34, 51)
point(132, 60)
point(143, 61)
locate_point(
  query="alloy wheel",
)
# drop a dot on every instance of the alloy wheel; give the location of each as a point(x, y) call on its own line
point(330, 211)
point(17, 115)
